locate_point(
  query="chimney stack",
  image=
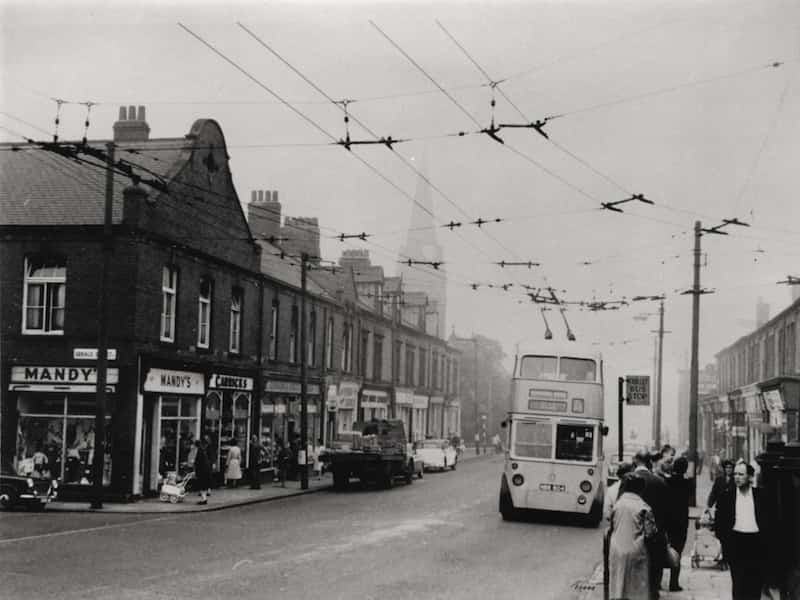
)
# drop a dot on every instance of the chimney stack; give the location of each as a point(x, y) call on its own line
point(131, 127)
point(264, 214)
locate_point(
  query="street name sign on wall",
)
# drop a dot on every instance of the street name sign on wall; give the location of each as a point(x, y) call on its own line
point(638, 390)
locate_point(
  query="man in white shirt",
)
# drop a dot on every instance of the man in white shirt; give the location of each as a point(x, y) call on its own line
point(739, 523)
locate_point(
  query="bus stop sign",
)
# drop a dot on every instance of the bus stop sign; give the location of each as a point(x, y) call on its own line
point(638, 390)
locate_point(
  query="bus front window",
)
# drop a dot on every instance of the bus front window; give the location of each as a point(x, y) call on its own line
point(533, 440)
point(574, 442)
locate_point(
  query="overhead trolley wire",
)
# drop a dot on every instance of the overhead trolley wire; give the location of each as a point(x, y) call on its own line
point(339, 105)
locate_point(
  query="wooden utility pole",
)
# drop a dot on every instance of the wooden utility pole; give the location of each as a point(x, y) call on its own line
point(303, 374)
point(694, 367)
point(98, 462)
point(660, 373)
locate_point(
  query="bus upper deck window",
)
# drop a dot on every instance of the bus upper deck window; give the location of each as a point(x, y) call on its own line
point(539, 367)
point(578, 369)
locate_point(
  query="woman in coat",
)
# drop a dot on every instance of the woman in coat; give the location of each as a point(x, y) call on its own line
point(202, 470)
point(233, 464)
point(678, 519)
point(632, 526)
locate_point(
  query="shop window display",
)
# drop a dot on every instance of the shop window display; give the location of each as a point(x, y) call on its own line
point(56, 438)
point(179, 425)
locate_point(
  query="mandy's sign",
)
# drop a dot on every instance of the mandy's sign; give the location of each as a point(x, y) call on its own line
point(61, 375)
point(175, 382)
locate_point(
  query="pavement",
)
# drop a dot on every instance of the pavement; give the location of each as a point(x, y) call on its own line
point(703, 582)
point(221, 498)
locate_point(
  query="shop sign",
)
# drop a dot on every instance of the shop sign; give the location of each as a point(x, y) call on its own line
point(174, 382)
point(420, 402)
point(268, 408)
point(278, 386)
point(348, 393)
point(230, 382)
point(774, 403)
point(404, 397)
point(437, 399)
point(62, 375)
point(331, 398)
point(374, 399)
point(91, 353)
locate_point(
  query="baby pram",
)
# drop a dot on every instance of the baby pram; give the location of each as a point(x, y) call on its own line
point(173, 490)
point(706, 550)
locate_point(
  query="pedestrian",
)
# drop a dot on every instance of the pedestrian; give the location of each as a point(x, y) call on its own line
point(202, 470)
point(284, 459)
point(633, 525)
point(255, 459)
point(655, 494)
point(233, 464)
point(318, 459)
point(477, 444)
point(678, 516)
point(722, 484)
point(498, 448)
point(612, 493)
point(739, 521)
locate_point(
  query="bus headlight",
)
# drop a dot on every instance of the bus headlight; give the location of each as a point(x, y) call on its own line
point(581, 499)
point(586, 486)
point(590, 471)
point(514, 466)
point(517, 479)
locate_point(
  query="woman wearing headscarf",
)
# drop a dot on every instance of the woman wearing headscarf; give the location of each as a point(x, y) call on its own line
point(632, 526)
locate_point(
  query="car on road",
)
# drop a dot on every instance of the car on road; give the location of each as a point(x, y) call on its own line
point(20, 490)
point(437, 454)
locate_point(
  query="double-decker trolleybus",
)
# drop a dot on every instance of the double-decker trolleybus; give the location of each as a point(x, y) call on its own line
point(554, 459)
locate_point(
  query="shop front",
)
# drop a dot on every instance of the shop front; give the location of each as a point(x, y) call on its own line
point(226, 417)
point(55, 426)
point(452, 417)
point(781, 404)
point(281, 414)
point(331, 406)
point(436, 417)
point(347, 400)
point(374, 404)
point(404, 404)
point(419, 420)
point(172, 407)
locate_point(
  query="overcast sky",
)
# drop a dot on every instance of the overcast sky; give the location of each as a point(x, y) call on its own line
point(674, 100)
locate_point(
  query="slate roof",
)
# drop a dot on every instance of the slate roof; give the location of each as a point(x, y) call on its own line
point(287, 270)
point(39, 187)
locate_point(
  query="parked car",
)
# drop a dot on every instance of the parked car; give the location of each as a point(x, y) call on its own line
point(20, 490)
point(437, 454)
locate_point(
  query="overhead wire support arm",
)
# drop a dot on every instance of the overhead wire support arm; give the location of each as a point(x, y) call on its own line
point(530, 264)
point(632, 198)
point(354, 236)
point(431, 263)
point(790, 280)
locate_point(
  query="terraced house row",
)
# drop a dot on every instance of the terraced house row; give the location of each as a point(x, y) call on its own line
point(204, 317)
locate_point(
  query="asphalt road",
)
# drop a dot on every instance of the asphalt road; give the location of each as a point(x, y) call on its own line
point(441, 537)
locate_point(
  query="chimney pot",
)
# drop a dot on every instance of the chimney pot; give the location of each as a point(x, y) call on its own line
point(274, 195)
point(130, 129)
point(253, 196)
point(260, 195)
point(131, 113)
point(123, 113)
point(141, 114)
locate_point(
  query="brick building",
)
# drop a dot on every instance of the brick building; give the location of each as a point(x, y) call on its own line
point(758, 390)
point(204, 317)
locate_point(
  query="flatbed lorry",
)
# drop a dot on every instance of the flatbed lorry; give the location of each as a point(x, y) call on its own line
point(374, 451)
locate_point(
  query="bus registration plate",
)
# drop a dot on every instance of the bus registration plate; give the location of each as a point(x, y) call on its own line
point(552, 487)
